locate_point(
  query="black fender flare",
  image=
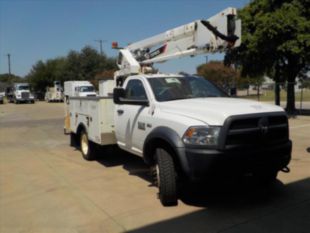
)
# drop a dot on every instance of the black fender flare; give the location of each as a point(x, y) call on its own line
point(170, 137)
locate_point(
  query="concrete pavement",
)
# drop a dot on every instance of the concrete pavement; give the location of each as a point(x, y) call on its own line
point(46, 186)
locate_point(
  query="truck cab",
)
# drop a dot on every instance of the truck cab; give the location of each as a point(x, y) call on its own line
point(85, 90)
point(79, 89)
point(202, 129)
point(21, 93)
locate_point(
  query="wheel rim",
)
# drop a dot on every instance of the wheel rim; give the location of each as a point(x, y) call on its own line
point(84, 144)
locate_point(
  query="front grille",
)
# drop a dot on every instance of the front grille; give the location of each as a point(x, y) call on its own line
point(25, 95)
point(257, 130)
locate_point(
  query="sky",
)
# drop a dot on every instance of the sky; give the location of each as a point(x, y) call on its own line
point(33, 30)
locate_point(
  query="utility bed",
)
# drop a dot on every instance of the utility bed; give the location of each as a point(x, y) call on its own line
point(94, 114)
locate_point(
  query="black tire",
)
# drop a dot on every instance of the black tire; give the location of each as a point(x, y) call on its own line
point(73, 140)
point(267, 177)
point(87, 147)
point(166, 178)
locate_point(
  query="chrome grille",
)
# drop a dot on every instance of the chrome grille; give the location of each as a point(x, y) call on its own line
point(25, 95)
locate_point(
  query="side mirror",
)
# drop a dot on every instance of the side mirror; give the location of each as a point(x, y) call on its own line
point(117, 94)
point(119, 98)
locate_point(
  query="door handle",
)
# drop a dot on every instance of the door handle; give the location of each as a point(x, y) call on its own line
point(120, 111)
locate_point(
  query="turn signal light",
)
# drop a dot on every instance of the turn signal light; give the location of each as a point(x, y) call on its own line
point(114, 45)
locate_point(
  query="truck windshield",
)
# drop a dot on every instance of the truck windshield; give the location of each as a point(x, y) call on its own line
point(174, 88)
point(87, 89)
point(25, 88)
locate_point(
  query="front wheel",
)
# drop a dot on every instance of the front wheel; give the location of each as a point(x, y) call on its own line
point(267, 177)
point(87, 147)
point(165, 178)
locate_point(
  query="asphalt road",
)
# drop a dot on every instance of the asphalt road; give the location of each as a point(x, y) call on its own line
point(46, 186)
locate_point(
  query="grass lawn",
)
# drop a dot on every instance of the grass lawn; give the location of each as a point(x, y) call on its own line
point(269, 95)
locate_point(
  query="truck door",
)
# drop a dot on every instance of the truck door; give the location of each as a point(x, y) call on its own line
point(131, 120)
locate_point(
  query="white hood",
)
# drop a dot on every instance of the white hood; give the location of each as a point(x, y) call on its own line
point(214, 111)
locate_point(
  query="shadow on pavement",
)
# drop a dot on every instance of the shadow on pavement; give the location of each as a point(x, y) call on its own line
point(303, 112)
point(280, 208)
point(227, 205)
point(113, 156)
point(229, 192)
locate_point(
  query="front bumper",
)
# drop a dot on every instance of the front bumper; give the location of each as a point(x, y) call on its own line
point(24, 99)
point(198, 163)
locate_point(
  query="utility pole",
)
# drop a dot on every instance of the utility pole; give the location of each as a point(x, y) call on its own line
point(9, 63)
point(100, 42)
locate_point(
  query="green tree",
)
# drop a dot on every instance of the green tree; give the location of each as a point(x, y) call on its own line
point(215, 71)
point(83, 65)
point(86, 64)
point(275, 41)
point(10, 78)
point(72, 70)
point(43, 74)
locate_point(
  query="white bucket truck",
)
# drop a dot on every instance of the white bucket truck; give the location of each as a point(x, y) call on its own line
point(182, 126)
point(55, 93)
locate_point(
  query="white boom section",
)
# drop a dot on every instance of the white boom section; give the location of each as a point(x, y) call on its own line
point(217, 34)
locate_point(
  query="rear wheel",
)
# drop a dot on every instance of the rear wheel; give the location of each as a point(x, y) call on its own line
point(165, 178)
point(87, 147)
point(267, 177)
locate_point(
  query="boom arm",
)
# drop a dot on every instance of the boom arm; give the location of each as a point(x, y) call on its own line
point(217, 34)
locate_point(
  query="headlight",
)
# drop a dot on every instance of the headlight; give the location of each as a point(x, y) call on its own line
point(202, 135)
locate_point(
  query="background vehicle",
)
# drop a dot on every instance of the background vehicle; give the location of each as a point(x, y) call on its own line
point(55, 93)
point(20, 92)
point(75, 89)
point(79, 88)
point(182, 126)
point(2, 95)
point(106, 87)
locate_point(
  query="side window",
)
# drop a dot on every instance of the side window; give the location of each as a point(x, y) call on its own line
point(135, 90)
